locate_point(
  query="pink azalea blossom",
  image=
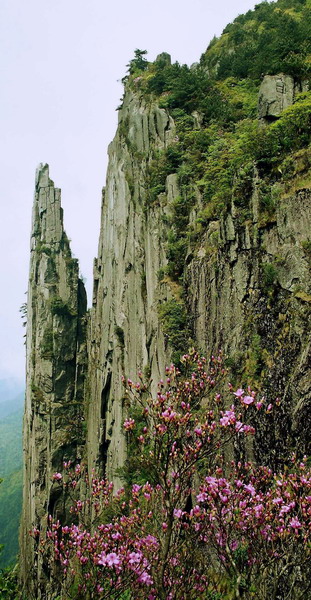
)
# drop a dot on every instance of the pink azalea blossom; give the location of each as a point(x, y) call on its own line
point(129, 424)
point(111, 559)
point(239, 393)
point(295, 523)
point(247, 400)
point(134, 558)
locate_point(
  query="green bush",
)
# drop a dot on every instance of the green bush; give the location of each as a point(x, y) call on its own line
point(174, 319)
point(274, 37)
point(61, 308)
point(269, 273)
point(47, 343)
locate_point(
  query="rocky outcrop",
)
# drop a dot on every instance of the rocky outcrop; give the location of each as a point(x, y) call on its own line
point(251, 297)
point(56, 360)
point(276, 93)
point(125, 332)
point(246, 287)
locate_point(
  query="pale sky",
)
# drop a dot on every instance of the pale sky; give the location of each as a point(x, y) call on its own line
point(61, 62)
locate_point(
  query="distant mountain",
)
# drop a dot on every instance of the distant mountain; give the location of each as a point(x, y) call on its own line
point(12, 405)
point(11, 442)
point(10, 388)
point(11, 473)
point(10, 511)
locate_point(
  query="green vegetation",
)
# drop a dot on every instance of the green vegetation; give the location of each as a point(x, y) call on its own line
point(10, 510)
point(269, 272)
point(220, 148)
point(47, 343)
point(9, 583)
point(11, 486)
point(306, 246)
point(274, 37)
point(61, 308)
point(174, 319)
point(11, 442)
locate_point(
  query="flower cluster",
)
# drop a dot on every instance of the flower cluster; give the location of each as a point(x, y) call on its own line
point(194, 527)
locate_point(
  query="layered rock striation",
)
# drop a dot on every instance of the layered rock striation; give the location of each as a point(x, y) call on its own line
point(125, 332)
point(55, 374)
point(245, 287)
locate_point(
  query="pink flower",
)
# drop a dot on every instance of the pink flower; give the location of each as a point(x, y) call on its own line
point(178, 513)
point(145, 578)
point(168, 415)
point(239, 427)
point(258, 510)
point(111, 559)
point(198, 431)
point(248, 429)
point(250, 488)
point(247, 400)
point(129, 424)
point(134, 558)
point(228, 418)
point(202, 497)
point(295, 524)
point(239, 393)
point(57, 477)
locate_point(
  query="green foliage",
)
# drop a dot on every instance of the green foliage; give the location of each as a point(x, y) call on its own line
point(43, 249)
point(138, 63)
point(161, 165)
point(23, 312)
point(61, 308)
point(10, 510)
point(269, 273)
point(9, 584)
point(174, 319)
point(133, 470)
point(274, 37)
point(306, 246)
point(157, 171)
point(10, 491)
point(219, 143)
point(47, 343)
point(11, 443)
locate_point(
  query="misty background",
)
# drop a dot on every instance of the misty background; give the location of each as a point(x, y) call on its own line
point(61, 62)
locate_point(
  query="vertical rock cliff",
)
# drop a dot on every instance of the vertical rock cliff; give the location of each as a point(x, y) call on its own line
point(56, 361)
point(245, 286)
point(204, 242)
point(245, 289)
point(125, 332)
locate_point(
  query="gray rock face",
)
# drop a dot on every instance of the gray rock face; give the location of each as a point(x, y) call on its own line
point(125, 332)
point(54, 413)
point(252, 299)
point(276, 93)
point(227, 289)
point(247, 290)
point(164, 58)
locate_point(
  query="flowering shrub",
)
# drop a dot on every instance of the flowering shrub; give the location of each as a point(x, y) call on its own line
point(200, 527)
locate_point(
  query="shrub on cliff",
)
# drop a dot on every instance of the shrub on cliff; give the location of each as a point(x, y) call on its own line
point(200, 527)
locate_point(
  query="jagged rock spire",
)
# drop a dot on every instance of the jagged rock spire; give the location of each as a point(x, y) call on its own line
point(55, 358)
